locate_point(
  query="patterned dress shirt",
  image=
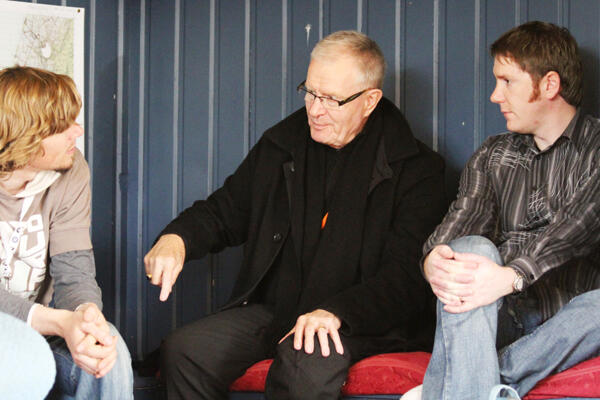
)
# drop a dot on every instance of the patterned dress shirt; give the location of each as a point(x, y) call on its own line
point(540, 208)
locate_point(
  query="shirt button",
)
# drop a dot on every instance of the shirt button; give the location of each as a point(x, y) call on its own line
point(277, 237)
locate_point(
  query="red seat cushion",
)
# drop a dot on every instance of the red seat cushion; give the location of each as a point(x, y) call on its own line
point(381, 374)
point(395, 373)
point(582, 380)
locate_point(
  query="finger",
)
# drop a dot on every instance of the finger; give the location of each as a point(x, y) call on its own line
point(87, 341)
point(463, 307)
point(471, 258)
point(147, 263)
point(99, 332)
point(446, 298)
point(97, 352)
point(323, 341)
point(106, 369)
point(286, 335)
point(107, 363)
point(448, 285)
point(299, 334)
point(309, 339)
point(444, 251)
point(88, 364)
point(166, 285)
point(156, 273)
point(90, 312)
point(452, 288)
point(337, 341)
point(463, 278)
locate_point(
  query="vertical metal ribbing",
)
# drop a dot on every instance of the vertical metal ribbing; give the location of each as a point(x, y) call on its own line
point(89, 134)
point(477, 85)
point(359, 15)
point(436, 74)
point(140, 172)
point(246, 77)
point(321, 16)
point(175, 138)
point(211, 134)
point(284, 56)
point(119, 162)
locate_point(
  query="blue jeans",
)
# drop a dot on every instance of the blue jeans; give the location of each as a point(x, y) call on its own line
point(26, 365)
point(505, 342)
point(74, 383)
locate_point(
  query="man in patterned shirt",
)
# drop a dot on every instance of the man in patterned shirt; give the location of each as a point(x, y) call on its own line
point(514, 264)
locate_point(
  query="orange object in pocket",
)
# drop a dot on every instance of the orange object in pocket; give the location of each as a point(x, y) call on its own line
point(324, 220)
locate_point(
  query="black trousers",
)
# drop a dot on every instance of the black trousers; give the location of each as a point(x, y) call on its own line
point(201, 360)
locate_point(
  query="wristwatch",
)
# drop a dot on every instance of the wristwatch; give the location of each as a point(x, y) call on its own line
point(517, 285)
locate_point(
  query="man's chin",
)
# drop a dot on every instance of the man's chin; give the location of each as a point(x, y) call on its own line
point(64, 167)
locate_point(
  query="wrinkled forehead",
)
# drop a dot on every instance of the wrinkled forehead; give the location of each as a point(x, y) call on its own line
point(334, 75)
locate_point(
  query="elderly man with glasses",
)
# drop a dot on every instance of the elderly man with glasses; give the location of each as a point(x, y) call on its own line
point(333, 205)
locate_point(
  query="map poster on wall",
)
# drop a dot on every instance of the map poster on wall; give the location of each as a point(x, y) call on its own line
point(43, 36)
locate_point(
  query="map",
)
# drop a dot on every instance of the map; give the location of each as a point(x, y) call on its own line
point(44, 36)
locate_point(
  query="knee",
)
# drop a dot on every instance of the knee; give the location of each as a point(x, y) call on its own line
point(477, 245)
point(172, 351)
point(476, 318)
point(122, 371)
point(297, 375)
point(586, 305)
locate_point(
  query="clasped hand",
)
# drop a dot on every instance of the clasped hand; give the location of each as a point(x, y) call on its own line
point(319, 322)
point(465, 281)
point(88, 338)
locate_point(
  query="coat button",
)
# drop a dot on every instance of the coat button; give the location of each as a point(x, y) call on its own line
point(277, 237)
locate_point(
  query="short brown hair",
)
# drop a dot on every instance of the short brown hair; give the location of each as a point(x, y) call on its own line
point(370, 57)
point(34, 104)
point(540, 47)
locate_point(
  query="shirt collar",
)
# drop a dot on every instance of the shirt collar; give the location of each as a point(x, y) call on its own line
point(572, 133)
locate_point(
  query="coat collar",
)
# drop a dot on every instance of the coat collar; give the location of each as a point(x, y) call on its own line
point(290, 134)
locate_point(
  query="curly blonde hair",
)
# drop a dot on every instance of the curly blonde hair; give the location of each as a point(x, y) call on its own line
point(34, 104)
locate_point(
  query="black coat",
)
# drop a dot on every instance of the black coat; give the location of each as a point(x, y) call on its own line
point(405, 201)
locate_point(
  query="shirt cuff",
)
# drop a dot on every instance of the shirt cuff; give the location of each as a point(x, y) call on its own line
point(30, 314)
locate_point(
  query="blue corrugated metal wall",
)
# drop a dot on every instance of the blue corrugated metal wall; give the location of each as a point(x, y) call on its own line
point(178, 90)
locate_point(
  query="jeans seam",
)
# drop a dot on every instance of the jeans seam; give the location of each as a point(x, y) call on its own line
point(446, 358)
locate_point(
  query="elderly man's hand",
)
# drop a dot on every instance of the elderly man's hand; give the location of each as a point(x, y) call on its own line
point(319, 322)
point(164, 262)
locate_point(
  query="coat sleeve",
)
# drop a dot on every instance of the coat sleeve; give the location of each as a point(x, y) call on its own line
point(397, 293)
point(222, 219)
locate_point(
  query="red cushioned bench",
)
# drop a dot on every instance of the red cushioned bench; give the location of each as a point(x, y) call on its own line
point(390, 375)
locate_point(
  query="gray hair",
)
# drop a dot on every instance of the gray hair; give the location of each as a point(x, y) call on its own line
point(364, 49)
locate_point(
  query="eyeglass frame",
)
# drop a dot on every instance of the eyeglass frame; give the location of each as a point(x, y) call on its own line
point(302, 87)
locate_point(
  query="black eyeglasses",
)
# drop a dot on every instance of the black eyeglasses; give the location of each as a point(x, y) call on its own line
point(327, 102)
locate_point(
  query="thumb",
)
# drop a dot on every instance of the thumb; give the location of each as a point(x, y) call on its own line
point(445, 251)
point(90, 314)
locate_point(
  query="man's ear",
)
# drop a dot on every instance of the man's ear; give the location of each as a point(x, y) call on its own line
point(373, 97)
point(550, 85)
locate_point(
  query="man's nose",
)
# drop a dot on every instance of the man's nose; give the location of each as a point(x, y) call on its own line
point(496, 96)
point(316, 107)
